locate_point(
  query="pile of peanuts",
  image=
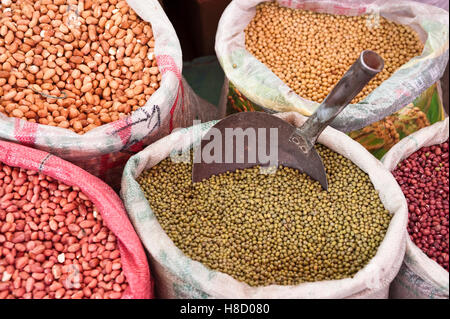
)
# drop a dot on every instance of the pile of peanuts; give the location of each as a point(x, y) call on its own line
point(75, 64)
point(311, 51)
point(53, 243)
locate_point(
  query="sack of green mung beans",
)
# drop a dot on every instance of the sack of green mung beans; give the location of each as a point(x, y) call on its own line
point(287, 55)
point(252, 235)
point(92, 81)
point(424, 273)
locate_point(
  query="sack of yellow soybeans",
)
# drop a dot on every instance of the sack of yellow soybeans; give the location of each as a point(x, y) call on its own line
point(92, 81)
point(178, 276)
point(288, 54)
point(420, 277)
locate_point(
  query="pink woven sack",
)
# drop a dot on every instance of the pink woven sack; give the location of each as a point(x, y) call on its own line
point(109, 205)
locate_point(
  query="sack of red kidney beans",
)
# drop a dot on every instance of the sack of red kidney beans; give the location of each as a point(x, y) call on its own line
point(420, 163)
point(64, 234)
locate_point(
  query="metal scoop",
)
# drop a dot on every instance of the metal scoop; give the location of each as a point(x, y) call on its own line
point(295, 145)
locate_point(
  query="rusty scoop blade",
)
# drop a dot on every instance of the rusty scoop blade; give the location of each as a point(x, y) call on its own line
point(246, 152)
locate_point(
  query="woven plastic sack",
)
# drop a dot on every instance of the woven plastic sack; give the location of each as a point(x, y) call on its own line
point(262, 87)
point(438, 3)
point(420, 277)
point(108, 204)
point(180, 277)
point(104, 150)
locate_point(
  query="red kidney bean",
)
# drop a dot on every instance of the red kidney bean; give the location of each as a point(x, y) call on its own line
point(52, 244)
point(424, 179)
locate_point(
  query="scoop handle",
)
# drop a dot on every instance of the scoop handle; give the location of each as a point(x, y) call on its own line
point(354, 80)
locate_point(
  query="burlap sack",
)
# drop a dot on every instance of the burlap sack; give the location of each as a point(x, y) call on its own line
point(420, 277)
point(177, 276)
point(104, 150)
point(108, 204)
point(260, 85)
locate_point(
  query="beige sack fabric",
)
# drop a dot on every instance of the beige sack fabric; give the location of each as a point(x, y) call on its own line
point(420, 277)
point(178, 276)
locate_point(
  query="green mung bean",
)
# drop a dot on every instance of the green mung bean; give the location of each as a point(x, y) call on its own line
point(265, 229)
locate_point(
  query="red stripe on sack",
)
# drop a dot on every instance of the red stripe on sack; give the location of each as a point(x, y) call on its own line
point(172, 111)
point(402, 92)
point(182, 95)
point(339, 9)
point(123, 129)
point(167, 64)
point(26, 133)
point(346, 10)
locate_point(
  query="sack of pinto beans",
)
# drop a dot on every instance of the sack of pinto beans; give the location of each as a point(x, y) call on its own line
point(205, 240)
point(420, 164)
point(92, 81)
point(287, 55)
point(64, 234)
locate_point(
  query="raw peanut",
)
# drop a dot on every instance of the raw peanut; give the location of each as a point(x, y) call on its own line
point(154, 70)
point(87, 223)
point(22, 83)
point(17, 113)
point(49, 73)
point(73, 248)
point(9, 96)
point(89, 97)
point(84, 68)
point(86, 88)
point(74, 228)
point(4, 286)
point(4, 74)
point(9, 38)
point(21, 262)
point(76, 59)
point(60, 293)
point(38, 250)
